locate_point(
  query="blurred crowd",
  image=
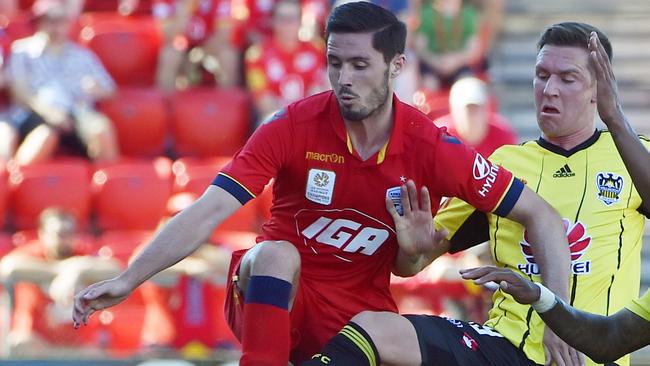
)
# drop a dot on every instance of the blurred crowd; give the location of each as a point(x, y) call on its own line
point(116, 114)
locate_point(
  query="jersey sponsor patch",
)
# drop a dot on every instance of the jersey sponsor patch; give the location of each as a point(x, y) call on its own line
point(610, 186)
point(481, 167)
point(395, 195)
point(485, 171)
point(320, 186)
point(578, 240)
point(341, 233)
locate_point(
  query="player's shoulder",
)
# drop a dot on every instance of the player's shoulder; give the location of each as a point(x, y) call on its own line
point(607, 135)
point(418, 127)
point(311, 109)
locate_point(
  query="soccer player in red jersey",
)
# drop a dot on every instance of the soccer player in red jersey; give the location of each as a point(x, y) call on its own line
point(339, 160)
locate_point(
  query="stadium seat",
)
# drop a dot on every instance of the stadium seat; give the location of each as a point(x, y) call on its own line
point(209, 122)
point(4, 193)
point(234, 240)
point(140, 119)
point(120, 244)
point(127, 46)
point(63, 183)
point(193, 175)
point(131, 194)
point(121, 325)
point(6, 244)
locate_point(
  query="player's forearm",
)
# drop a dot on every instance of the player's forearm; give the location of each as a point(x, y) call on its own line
point(178, 239)
point(550, 248)
point(635, 156)
point(603, 339)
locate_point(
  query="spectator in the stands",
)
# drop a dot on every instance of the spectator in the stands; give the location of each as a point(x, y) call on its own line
point(283, 68)
point(54, 84)
point(446, 41)
point(46, 272)
point(473, 119)
point(197, 38)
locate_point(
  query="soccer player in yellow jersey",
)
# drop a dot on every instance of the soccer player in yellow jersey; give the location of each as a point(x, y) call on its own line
point(603, 338)
point(586, 174)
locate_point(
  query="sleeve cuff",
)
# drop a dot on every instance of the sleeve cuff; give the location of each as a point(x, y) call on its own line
point(233, 187)
point(510, 198)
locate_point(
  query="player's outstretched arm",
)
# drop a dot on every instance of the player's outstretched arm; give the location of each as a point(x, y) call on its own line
point(548, 241)
point(181, 236)
point(419, 242)
point(603, 339)
point(635, 156)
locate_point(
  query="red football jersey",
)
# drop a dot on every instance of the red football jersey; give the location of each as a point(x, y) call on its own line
point(331, 204)
point(286, 75)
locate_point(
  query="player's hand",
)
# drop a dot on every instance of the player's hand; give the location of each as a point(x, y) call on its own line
point(522, 290)
point(558, 353)
point(98, 296)
point(609, 107)
point(416, 234)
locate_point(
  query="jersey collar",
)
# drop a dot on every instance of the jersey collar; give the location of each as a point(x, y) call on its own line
point(566, 153)
point(395, 142)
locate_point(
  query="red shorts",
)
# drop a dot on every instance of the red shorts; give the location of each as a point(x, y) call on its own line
point(314, 317)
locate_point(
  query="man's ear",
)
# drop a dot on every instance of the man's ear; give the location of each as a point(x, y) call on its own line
point(397, 65)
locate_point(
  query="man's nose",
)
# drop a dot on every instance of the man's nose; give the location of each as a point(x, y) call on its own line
point(551, 87)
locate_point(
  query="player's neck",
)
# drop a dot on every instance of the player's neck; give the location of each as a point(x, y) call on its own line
point(371, 134)
point(568, 142)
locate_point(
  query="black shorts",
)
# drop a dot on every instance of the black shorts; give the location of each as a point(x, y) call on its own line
point(452, 342)
point(69, 143)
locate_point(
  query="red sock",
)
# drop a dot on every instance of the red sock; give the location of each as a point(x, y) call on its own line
point(265, 333)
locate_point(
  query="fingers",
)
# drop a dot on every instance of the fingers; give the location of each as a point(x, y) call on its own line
point(426, 199)
point(577, 358)
point(413, 195)
point(84, 303)
point(406, 204)
point(390, 207)
point(473, 273)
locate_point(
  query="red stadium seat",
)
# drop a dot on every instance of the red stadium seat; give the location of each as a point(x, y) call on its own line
point(193, 176)
point(121, 326)
point(209, 122)
point(234, 240)
point(140, 119)
point(127, 46)
point(63, 183)
point(4, 193)
point(121, 244)
point(6, 244)
point(131, 195)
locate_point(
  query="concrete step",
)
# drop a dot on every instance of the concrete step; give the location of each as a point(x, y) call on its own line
point(516, 46)
point(576, 6)
point(611, 23)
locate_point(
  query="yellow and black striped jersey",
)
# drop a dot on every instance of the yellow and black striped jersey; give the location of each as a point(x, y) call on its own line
point(602, 212)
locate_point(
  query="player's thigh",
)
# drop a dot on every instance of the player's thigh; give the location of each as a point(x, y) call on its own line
point(393, 335)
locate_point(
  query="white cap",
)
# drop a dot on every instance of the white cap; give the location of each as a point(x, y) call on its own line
point(467, 91)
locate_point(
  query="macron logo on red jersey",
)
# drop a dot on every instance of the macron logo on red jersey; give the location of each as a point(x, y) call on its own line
point(578, 240)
